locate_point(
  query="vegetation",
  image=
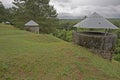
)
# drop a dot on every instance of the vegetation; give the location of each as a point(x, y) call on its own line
point(64, 35)
point(3, 13)
point(38, 10)
point(65, 29)
point(117, 51)
point(28, 56)
point(26, 10)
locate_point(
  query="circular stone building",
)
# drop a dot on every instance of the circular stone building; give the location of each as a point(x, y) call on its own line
point(98, 42)
point(32, 26)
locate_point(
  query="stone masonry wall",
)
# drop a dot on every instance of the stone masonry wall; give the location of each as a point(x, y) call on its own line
point(99, 44)
point(33, 29)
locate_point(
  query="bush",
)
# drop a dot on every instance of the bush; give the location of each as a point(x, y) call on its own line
point(117, 57)
point(64, 35)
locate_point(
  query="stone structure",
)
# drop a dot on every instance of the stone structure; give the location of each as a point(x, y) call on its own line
point(32, 26)
point(96, 42)
point(100, 43)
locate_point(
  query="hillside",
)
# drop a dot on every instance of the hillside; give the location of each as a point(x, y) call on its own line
point(28, 56)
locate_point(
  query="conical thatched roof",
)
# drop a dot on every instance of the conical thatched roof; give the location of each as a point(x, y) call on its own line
point(31, 23)
point(96, 21)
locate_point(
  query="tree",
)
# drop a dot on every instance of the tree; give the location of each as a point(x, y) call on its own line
point(37, 10)
point(2, 12)
point(5, 13)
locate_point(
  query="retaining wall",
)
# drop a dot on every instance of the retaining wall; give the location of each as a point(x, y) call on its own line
point(96, 42)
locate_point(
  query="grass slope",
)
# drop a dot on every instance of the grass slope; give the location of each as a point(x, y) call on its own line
point(28, 56)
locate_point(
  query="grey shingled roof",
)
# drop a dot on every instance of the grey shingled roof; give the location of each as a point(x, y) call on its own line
point(96, 21)
point(31, 23)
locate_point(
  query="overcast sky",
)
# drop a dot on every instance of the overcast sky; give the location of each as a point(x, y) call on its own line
point(79, 8)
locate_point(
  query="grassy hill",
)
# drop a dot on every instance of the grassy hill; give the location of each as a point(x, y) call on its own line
point(28, 56)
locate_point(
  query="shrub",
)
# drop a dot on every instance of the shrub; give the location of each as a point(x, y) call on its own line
point(117, 57)
point(64, 35)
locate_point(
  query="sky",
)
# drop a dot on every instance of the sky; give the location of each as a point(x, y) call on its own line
point(81, 8)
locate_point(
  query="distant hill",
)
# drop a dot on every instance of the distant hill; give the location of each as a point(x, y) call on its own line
point(68, 16)
point(28, 56)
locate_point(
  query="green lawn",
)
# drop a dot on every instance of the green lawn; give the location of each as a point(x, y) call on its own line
point(28, 56)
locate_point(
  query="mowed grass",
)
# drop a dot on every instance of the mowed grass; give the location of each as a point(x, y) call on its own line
point(28, 56)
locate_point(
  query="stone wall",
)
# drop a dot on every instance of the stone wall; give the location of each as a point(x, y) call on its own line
point(96, 42)
point(33, 29)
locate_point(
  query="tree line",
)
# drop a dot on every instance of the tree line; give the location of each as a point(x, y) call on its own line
point(25, 10)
